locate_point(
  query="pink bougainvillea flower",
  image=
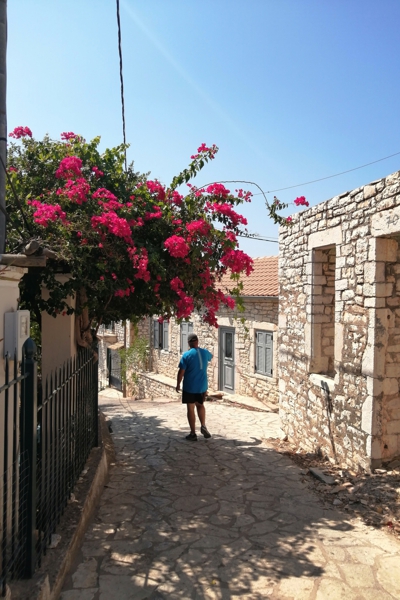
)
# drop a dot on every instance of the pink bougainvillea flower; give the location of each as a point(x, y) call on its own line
point(155, 187)
point(176, 284)
point(47, 212)
point(104, 194)
point(97, 172)
point(154, 215)
point(246, 196)
point(114, 224)
point(226, 209)
point(230, 236)
point(185, 307)
point(211, 319)
point(13, 169)
point(176, 246)
point(237, 261)
point(76, 191)
point(301, 201)
point(20, 132)
point(199, 227)
point(218, 189)
point(70, 166)
point(69, 135)
point(203, 149)
point(140, 261)
point(288, 219)
point(176, 199)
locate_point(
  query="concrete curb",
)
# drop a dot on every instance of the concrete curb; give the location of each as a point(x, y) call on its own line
point(48, 581)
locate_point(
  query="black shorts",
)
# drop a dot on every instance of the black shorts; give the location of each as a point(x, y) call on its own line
point(188, 398)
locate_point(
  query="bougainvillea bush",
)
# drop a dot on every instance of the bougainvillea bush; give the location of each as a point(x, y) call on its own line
point(131, 246)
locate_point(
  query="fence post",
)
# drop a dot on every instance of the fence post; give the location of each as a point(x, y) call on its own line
point(96, 392)
point(29, 445)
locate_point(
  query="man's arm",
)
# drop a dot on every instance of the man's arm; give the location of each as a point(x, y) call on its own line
point(179, 378)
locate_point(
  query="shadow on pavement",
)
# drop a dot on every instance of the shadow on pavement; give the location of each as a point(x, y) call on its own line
point(219, 518)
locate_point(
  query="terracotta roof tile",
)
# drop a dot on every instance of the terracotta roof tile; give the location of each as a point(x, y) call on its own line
point(263, 281)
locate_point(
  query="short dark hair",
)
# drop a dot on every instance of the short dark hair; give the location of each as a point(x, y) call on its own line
point(192, 337)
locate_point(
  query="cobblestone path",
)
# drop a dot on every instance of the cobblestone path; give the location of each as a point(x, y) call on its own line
point(220, 519)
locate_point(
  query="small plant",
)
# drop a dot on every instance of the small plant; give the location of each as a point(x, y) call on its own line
point(134, 360)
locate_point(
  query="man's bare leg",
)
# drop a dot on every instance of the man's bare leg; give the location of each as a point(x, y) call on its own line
point(201, 411)
point(191, 417)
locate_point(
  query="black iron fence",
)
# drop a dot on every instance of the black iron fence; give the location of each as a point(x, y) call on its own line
point(53, 432)
point(14, 469)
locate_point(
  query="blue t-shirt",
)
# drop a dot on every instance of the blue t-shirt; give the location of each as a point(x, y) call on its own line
point(195, 362)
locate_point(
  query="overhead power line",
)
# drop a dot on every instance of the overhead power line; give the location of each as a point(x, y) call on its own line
point(121, 77)
point(329, 176)
point(254, 236)
point(289, 187)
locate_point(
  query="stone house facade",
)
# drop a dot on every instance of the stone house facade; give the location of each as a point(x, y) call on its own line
point(111, 339)
point(339, 326)
point(244, 346)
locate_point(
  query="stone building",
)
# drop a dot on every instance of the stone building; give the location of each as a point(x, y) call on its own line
point(244, 346)
point(111, 339)
point(339, 326)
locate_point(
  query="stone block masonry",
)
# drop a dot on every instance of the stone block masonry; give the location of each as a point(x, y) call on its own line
point(339, 326)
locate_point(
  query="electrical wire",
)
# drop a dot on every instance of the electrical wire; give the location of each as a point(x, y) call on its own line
point(330, 176)
point(289, 187)
point(121, 80)
point(254, 236)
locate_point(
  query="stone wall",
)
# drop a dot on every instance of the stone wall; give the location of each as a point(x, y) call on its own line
point(339, 377)
point(260, 314)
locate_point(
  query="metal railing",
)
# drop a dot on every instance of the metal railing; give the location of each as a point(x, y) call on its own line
point(14, 470)
point(53, 433)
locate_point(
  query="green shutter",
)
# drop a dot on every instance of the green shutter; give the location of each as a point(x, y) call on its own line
point(260, 352)
point(268, 353)
point(165, 335)
point(264, 353)
point(156, 327)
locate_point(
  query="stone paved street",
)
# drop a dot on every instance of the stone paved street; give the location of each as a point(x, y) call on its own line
point(219, 519)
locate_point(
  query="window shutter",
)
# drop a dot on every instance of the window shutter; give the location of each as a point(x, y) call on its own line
point(186, 328)
point(165, 335)
point(156, 327)
point(268, 353)
point(260, 352)
point(183, 337)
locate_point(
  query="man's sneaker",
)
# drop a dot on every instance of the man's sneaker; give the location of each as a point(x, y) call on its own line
point(205, 431)
point(192, 437)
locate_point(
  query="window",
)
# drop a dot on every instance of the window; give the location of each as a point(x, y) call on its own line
point(161, 341)
point(186, 328)
point(323, 311)
point(264, 355)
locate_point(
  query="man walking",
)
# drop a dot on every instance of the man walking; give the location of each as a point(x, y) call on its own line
point(193, 371)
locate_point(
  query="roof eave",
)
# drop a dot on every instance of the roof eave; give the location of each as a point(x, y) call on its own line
point(259, 297)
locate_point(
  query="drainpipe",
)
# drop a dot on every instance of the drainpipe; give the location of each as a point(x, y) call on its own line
point(3, 122)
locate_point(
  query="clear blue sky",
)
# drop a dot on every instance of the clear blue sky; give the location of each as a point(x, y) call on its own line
point(290, 90)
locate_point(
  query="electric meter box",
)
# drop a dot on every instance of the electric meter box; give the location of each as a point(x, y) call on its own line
point(16, 330)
